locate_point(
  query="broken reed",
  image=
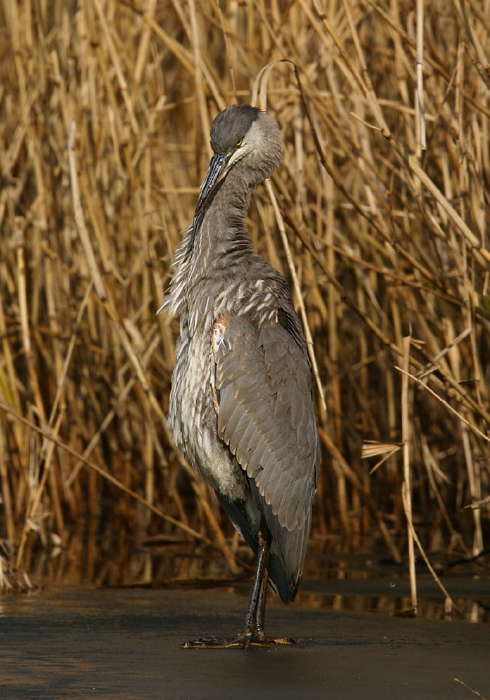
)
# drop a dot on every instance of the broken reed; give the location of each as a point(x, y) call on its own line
point(105, 113)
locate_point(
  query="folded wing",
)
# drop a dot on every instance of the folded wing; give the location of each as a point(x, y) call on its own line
point(265, 416)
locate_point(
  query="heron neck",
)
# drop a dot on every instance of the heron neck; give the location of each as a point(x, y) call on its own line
point(223, 237)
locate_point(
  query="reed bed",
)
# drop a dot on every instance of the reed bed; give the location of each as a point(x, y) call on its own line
point(379, 217)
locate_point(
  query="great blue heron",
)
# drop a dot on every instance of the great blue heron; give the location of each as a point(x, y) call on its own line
point(241, 406)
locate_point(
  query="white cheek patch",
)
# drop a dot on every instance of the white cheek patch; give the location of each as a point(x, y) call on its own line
point(253, 138)
point(250, 143)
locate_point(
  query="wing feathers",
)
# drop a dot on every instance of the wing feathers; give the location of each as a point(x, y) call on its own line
point(266, 414)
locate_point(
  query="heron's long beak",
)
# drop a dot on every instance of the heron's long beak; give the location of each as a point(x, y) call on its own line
point(217, 167)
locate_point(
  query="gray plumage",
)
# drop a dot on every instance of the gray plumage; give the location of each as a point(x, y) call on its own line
point(241, 400)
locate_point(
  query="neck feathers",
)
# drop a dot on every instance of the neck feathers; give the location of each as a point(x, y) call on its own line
point(214, 243)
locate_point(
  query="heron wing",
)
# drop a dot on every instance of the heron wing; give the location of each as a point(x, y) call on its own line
point(265, 415)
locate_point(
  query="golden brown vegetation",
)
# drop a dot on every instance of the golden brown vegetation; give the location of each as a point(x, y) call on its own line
point(105, 110)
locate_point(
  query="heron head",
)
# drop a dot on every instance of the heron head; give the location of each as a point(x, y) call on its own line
point(240, 134)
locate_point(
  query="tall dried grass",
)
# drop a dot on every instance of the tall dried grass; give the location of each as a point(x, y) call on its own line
point(105, 109)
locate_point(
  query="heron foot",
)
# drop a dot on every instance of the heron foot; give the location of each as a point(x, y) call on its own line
point(243, 641)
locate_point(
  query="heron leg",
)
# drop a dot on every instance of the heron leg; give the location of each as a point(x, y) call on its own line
point(259, 622)
point(254, 634)
point(254, 620)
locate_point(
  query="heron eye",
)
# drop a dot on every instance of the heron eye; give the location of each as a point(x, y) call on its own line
point(238, 143)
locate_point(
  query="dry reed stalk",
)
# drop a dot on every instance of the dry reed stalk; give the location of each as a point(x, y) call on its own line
point(473, 427)
point(405, 411)
point(468, 687)
point(415, 538)
point(419, 96)
point(105, 475)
